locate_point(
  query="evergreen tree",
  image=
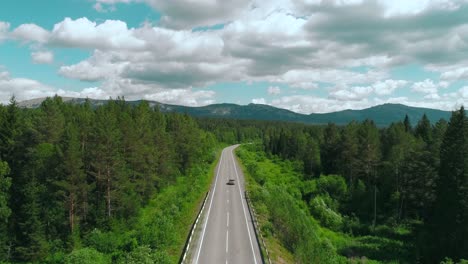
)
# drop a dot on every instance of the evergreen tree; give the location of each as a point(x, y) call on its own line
point(424, 130)
point(5, 211)
point(330, 149)
point(74, 184)
point(8, 129)
point(407, 124)
point(449, 222)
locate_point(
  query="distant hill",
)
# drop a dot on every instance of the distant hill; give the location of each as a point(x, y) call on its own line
point(383, 115)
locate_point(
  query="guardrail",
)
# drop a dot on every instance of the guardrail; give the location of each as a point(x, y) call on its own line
point(192, 230)
point(258, 234)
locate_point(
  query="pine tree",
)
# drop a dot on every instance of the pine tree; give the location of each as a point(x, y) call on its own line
point(107, 163)
point(449, 223)
point(407, 124)
point(330, 149)
point(74, 183)
point(8, 129)
point(369, 157)
point(5, 211)
point(424, 130)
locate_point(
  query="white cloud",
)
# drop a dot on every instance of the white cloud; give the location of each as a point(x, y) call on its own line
point(387, 87)
point(463, 92)
point(299, 78)
point(259, 101)
point(189, 97)
point(307, 104)
point(31, 32)
point(357, 93)
point(98, 67)
point(427, 86)
point(91, 92)
point(274, 90)
point(22, 88)
point(83, 33)
point(190, 14)
point(298, 44)
point(455, 74)
point(4, 27)
point(42, 57)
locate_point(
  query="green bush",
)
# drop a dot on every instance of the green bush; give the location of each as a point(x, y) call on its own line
point(145, 255)
point(326, 215)
point(86, 256)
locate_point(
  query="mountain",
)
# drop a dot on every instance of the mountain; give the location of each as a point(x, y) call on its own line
point(383, 115)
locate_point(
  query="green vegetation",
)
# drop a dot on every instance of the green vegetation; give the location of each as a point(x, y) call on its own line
point(362, 194)
point(121, 183)
point(112, 184)
point(382, 115)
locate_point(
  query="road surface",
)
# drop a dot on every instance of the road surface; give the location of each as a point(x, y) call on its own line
point(226, 233)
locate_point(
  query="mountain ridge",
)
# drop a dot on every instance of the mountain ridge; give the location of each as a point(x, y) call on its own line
point(382, 115)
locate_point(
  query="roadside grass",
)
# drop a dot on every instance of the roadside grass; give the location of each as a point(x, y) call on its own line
point(383, 245)
point(181, 202)
point(277, 252)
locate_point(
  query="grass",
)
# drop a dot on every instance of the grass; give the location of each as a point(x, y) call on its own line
point(277, 252)
point(166, 222)
point(383, 245)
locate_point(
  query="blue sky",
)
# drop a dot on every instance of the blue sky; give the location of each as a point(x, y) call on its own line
point(306, 56)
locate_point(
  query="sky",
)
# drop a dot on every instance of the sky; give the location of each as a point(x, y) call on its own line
point(308, 56)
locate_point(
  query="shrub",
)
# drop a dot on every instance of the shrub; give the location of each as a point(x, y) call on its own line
point(86, 256)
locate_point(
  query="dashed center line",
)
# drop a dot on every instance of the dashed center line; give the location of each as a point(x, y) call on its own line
point(227, 224)
point(227, 240)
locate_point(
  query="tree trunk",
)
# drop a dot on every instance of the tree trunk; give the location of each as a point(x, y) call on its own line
point(108, 191)
point(71, 213)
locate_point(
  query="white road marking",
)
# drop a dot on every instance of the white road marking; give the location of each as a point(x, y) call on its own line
point(227, 222)
point(243, 207)
point(227, 240)
point(209, 208)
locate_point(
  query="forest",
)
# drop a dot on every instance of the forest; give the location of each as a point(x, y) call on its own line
point(360, 193)
point(116, 183)
point(83, 184)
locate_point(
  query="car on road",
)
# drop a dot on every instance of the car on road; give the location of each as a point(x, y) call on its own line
point(230, 182)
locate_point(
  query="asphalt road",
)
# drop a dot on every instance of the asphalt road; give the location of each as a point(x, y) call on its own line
point(226, 233)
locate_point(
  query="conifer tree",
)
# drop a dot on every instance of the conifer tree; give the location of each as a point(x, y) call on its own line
point(424, 130)
point(5, 210)
point(407, 124)
point(449, 222)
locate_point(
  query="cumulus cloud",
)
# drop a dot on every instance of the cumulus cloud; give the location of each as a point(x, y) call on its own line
point(98, 67)
point(307, 104)
point(387, 87)
point(42, 57)
point(87, 34)
point(292, 43)
point(22, 88)
point(427, 37)
point(357, 93)
point(455, 74)
point(189, 97)
point(259, 101)
point(189, 14)
point(274, 90)
point(31, 32)
point(4, 27)
point(427, 86)
point(25, 89)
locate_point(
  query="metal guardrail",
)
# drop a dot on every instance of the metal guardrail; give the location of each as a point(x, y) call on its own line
point(194, 226)
point(258, 234)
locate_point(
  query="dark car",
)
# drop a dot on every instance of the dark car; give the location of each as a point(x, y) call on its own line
point(230, 182)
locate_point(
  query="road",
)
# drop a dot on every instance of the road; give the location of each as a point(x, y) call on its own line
point(226, 233)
